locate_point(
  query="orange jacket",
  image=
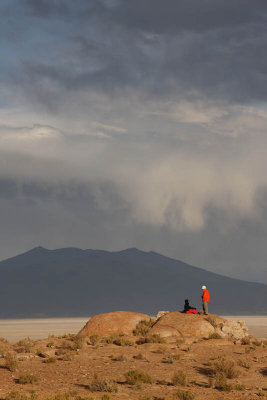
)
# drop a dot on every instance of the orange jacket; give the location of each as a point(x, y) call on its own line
point(206, 295)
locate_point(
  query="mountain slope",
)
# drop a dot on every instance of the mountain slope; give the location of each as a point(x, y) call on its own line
point(75, 282)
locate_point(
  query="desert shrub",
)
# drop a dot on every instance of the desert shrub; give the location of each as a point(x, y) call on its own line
point(78, 342)
point(139, 356)
point(212, 320)
point(143, 327)
point(14, 395)
point(27, 378)
point(121, 357)
point(155, 338)
point(134, 377)
point(50, 360)
point(94, 339)
point(239, 387)
point(102, 385)
point(105, 397)
point(179, 342)
point(3, 340)
point(243, 364)
point(160, 350)
point(50, 345)
point(221, 382)
point(120, 341)
point(245, 341)
point(226, 367)
point(179, 378)
point(167, 360)
point(67, 336)
point(11, 362)
point(260, 394)
point(24, 346)
point(176, 356)
point(214, 335)
point(68, 356)
point(183, 395)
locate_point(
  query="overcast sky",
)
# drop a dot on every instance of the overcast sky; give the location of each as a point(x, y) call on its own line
point(136, 123)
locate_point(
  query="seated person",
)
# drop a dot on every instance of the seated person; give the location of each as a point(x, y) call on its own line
point(189, 309)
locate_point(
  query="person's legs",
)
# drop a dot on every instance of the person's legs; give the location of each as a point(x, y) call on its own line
point(205, 308)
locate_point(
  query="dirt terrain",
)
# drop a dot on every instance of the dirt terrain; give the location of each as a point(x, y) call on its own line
point(71, 367)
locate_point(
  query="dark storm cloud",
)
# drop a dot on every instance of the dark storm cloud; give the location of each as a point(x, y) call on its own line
point(136, 123)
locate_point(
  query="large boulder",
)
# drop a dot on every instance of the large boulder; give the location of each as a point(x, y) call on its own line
point(182, 325)
point(198, 326)
point(118, 322)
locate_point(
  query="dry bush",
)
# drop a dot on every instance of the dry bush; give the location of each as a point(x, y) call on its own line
point(11, 362)
point(121, 357)
point(179, 378)
point(257, 342)
point(143, 327)
point(50, 360)
point(67, 356)
point(139, 356)
point(160, 350)
point(102, 385)
point(14, 395)
point(50, 345)
point(121, 341)
point(67, 336)
point(239, 387)
point(134, 377)
point(179, 342)
point(183, 395)
point(214, 335)
point(94, 339)
point(155, 338)
point(167, 360)
point(226, 367)
point(78, 343)
point(27, 378)
point(212, 320)
point(24, 346)
point(245, 341)
point(221, 382)
point(243, 364)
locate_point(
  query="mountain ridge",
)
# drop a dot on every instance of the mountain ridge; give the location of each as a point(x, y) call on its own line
point(75, 282)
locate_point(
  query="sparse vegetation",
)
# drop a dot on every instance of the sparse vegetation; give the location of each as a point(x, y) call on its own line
point(139, 356)
point(155, 338)
point(182, 395)
point(94, 339)
point(14, 395)
point(214, 336)
point(245, 341)
point(134, 377)
point(221, 382)
point(11, 362)
point(27, 378)
point(50, 360)
point(239, 387)
point(226, 367)
point(179, 378)
point(143, 327)
point(102, 385)
point(243, 364)
point(121, 357)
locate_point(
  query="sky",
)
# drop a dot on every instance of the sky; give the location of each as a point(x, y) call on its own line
point(136, 124)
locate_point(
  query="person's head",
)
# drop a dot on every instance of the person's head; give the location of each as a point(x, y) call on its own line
point(204, 287)
point(186, 301)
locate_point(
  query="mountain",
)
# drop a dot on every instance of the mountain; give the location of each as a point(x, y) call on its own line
point(74, 282)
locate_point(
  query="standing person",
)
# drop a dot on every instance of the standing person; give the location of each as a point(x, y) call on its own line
point(205, 299)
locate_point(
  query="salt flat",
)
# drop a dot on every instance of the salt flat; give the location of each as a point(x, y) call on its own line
point(17, 329)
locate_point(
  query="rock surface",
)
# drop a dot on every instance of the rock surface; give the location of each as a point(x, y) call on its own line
point(118, 322)
point(198, 326)
point(182, 325)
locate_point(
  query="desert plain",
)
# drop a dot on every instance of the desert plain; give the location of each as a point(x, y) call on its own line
point(139, 367)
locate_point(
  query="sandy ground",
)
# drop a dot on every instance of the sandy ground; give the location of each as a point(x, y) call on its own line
point(17, 329)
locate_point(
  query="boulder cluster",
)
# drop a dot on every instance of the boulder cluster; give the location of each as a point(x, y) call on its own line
point(166, 324)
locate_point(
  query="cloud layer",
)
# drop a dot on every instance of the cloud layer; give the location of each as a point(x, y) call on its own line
point(136, 124)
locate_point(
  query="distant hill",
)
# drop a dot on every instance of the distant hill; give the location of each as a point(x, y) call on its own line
point(75, 282)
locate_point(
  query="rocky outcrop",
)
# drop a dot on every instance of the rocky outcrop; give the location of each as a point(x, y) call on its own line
point(197, 326)
point(118, 322)
point(182, 325)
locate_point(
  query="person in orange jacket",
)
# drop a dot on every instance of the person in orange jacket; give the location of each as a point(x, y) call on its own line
point(205, 299)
